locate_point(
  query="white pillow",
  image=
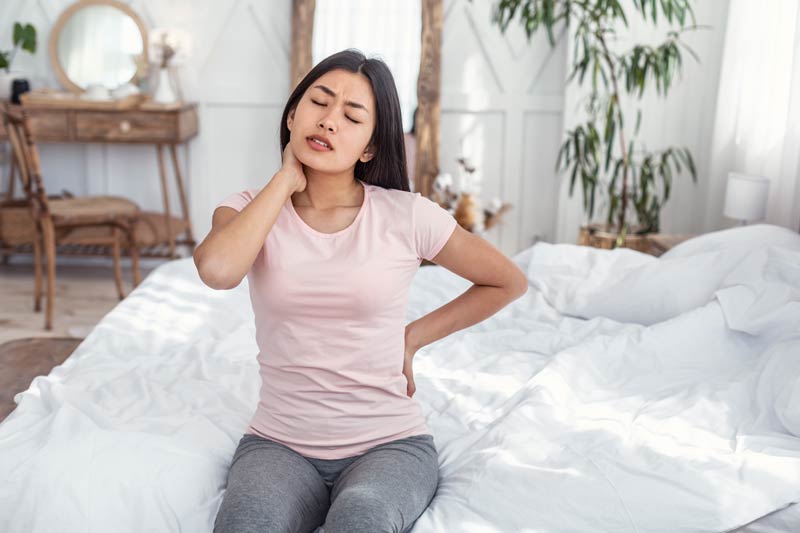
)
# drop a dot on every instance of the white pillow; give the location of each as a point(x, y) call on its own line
point(629, 286)
point(755, 236)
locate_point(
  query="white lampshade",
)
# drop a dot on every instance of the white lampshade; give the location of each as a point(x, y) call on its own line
point(746, 197)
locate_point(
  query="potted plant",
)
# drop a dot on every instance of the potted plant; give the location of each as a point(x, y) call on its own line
point(599, 150)
point(24, 37)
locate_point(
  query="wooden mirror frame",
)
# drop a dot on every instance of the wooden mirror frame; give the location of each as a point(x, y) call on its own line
point(428, 81)
point(55, 32)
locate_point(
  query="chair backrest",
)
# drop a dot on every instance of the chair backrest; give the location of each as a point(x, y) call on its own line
point(26, 154)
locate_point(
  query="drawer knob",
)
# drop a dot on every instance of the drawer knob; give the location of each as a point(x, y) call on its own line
point(125, 126)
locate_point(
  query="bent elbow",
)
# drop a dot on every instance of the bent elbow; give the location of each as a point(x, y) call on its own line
point(213, 274)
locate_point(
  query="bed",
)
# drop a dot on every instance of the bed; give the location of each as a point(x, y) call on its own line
point(621, 393)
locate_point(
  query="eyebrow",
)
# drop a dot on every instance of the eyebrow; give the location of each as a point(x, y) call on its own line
point(329, 92)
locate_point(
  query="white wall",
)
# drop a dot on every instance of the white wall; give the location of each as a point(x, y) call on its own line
point(503, 103)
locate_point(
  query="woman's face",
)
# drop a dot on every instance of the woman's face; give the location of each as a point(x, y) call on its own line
point(338, 109)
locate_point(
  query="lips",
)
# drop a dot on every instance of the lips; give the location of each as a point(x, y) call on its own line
point(318, 142)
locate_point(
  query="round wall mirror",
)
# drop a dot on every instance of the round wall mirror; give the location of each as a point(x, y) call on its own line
point(98, 42)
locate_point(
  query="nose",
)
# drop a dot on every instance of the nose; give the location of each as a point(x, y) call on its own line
point(327, 123)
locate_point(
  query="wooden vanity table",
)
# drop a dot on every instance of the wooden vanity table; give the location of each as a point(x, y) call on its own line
point(103, 104)
point(165, 127)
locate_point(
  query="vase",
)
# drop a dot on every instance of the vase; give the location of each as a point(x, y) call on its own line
point(164, 94)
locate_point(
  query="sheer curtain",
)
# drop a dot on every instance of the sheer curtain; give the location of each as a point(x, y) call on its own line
point(757, 120)
point(389, 29)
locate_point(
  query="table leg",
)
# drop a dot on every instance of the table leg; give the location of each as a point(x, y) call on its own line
point(12, 168)
point(165, 195)
point(184, 204)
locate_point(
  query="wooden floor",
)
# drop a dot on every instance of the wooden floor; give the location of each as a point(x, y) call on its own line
point(84, 294)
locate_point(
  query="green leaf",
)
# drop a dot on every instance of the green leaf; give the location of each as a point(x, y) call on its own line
point(688, 49)
point(25, 37)
point(691, 164)
point(4, 60)
point(558, 159)
point(681, 14)
point(666, 5)
point(676, 160)
point(638, 121)
point(609, 147)
point(572, 178)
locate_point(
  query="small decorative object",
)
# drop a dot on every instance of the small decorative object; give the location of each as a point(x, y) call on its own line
point(125, 90)
point(169, 48)
point(468, 213)
point(164, 92)
point(746, 197)
point(443, 192)
point(96, 91)
point(494, 214)
point(464, 204)
point(18, 87)
point(466, 182)
point(24, 38)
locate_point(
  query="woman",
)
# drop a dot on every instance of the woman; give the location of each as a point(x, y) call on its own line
point(330, 246)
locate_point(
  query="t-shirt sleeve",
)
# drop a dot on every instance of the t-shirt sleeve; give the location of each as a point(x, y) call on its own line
point(433, 225)
point(238, 200)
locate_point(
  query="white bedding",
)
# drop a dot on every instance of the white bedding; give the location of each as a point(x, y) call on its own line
point(680, 414)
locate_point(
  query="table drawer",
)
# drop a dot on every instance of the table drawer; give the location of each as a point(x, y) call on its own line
point(49, 125)
point(131, 126)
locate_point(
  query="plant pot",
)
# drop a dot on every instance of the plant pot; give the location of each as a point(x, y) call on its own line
point(603, 236)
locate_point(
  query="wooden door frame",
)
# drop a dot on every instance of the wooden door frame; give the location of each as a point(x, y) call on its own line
point(428, 82)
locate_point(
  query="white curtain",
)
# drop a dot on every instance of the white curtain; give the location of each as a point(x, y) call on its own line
point(757, 119)
point(389, 29)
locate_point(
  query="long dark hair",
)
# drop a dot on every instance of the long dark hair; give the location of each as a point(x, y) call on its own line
point(387, 168)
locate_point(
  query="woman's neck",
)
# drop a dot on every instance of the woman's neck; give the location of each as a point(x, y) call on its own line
point(324, 191)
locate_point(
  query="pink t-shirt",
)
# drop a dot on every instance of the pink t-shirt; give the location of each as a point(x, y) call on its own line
point(330, 317)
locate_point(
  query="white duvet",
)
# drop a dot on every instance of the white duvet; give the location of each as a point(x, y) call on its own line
point(622, 393)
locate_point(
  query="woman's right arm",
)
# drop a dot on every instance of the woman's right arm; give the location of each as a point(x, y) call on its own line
point(228, 251)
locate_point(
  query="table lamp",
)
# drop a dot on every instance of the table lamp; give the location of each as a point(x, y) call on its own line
point(746, 197)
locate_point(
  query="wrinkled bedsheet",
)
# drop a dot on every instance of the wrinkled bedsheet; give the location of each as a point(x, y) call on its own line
point(621, 393)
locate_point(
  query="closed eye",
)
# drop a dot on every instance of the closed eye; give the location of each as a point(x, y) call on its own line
point(325, 105)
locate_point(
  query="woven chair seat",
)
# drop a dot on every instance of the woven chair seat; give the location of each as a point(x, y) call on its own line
point(89, 209)
point(150, 230)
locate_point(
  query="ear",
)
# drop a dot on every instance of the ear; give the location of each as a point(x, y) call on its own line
point(368, 154)
point(289, 120)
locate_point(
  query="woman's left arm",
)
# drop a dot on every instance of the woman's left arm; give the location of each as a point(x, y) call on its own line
point(497, 281)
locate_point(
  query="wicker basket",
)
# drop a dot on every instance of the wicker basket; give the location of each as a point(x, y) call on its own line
point(602, 236)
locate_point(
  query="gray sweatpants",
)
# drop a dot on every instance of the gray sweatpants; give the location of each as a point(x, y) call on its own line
point(272, 488)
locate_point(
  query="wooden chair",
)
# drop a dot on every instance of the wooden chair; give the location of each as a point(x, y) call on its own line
point(59, 220)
